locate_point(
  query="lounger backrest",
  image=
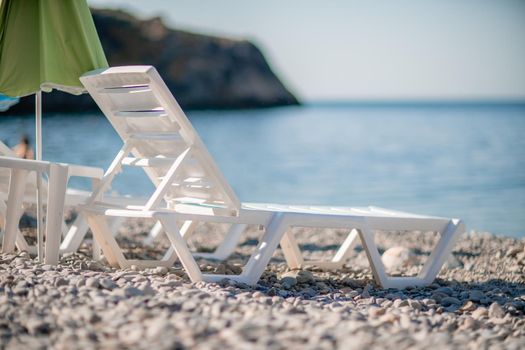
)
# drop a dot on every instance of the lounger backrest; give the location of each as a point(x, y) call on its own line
point(141, 108)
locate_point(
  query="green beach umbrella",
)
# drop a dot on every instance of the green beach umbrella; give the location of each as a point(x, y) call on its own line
point(46, 45)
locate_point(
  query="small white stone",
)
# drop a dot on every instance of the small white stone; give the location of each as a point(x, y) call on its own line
point(495, 311)
point(479, 313)
point(397, 257)
point(452, 263)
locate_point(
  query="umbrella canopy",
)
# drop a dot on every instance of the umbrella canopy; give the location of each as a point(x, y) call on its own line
point(46, 44)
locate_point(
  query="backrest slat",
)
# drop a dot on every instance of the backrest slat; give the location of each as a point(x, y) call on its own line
point(140, 107)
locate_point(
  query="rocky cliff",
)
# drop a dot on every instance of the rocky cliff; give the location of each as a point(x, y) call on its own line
point(201, 71)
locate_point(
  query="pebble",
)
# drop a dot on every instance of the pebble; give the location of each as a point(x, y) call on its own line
point(309, 292)
point(513, 252)
point(495, 311)
point(107, 283)
point(450, 301)
point(468, 306)
point(445, 290)
point(366, 291)
point(301, 276)
point(158, 327)
point(405, 321)
point(130, 333)
point(389, 318)
point(101, 307)
point(92, 282)
point(35, 326)
point(304, 276)
point(131, 292)
point(400, 303)
point(398, 257)
point(376, 311)
point(61, 282)
point(476, 295)
point(220, 269)
point(479, 313)
point(288, 282)
point(414, 304)
point(452, 263)
point(146, 289)
point(161, 270)
point(469, 324)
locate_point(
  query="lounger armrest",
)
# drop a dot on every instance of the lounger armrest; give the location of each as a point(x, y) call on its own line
point(25, 164)
point(85, 171)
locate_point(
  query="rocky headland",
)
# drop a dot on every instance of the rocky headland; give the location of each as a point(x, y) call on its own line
point(202, 72)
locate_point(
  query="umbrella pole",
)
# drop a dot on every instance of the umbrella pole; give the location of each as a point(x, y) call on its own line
point(38, 155)
point(38, 126)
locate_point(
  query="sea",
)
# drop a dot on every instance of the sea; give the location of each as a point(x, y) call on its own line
point(459, 160)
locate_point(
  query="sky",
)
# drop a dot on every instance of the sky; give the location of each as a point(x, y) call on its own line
point(369, 50)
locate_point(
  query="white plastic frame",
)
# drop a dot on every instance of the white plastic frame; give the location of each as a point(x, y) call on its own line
point(276, 219)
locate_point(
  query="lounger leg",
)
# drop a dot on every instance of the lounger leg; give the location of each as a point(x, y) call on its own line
point(104, 237)
point(227, 246)
point(64, 228)
point(430, 269)
point(185, 231)
point(21, 243)
point(14, 209)
point(58, 175)
point(442, 250)
point(292, 252)
point(346, 249)
point(181, 248)
point(96, 253)
point(378, 269)
point(3, 210)
point(75, 235)
point(40, 217)
point(154, 233)
point(77, 232)
point(265, 249)
point(96, 250)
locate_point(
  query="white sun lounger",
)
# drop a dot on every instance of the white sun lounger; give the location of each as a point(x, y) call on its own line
point(73, 233)
point(190, 189)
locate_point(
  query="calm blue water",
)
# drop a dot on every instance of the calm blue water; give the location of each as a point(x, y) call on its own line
point(455, 161)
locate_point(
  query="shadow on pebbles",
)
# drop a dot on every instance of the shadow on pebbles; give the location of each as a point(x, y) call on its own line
point(477, 302)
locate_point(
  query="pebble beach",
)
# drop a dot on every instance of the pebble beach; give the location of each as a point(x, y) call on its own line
point(477, 301)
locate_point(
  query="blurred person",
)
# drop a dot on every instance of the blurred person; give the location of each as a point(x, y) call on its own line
point(23, 149)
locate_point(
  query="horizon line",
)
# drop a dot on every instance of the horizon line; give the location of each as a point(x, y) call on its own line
point(416, 101)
